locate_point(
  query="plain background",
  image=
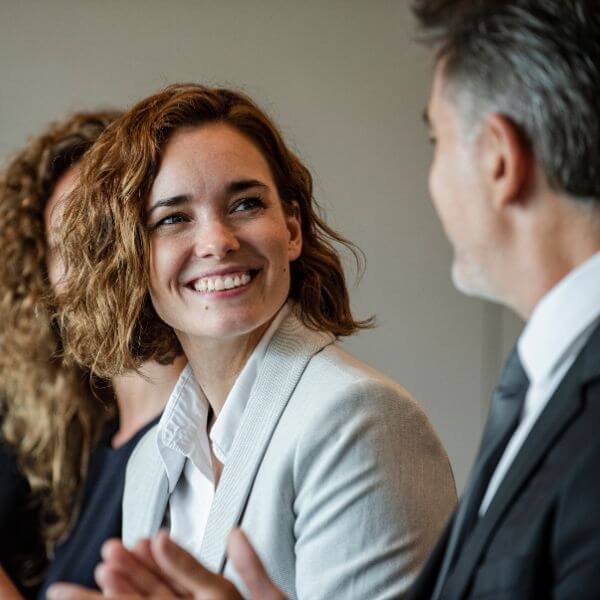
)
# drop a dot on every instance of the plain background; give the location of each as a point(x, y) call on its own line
point(347, 84)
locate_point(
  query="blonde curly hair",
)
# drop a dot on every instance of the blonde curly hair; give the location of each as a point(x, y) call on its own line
point(107, 318)
point(49, 411)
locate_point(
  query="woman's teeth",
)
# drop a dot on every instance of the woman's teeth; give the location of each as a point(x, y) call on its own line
point(225, 282)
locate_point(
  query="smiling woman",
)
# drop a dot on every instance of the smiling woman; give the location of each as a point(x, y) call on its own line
point(221, 239)
point(194, 228)
point(122, 218)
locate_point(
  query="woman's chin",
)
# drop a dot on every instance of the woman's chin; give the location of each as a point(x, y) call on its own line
point(224, 326)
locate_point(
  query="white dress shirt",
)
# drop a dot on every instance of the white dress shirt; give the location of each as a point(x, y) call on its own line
point(557, 331)
point(185, 446)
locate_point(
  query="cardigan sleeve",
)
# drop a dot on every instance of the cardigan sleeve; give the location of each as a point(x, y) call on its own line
point(374, 489)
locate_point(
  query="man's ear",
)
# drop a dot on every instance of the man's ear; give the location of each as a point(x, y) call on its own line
point(294, 225)
point(506, 160)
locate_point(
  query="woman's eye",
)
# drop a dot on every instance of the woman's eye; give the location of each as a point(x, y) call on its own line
point(170, 220)
point(246, 204)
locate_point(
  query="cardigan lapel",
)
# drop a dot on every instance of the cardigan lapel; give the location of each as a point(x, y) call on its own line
point(288, 353)
point(146, 492)
point(563, 407)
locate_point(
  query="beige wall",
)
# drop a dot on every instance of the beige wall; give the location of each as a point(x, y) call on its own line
point(347, 85)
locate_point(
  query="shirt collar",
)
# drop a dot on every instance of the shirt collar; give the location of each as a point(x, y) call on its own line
point(185, 415)
point(183, 425)
point(569, 310)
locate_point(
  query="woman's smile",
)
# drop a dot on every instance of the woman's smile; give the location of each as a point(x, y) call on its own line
point(223, 284)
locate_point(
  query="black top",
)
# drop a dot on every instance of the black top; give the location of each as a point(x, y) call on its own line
point(100, 515)
point(20, 541)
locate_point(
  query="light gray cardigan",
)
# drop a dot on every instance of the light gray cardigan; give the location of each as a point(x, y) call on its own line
point(335, 475)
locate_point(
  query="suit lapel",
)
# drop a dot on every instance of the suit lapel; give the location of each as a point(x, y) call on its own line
point(146, 491)
point(563, 407)
point(289, 352)
point(501, 422)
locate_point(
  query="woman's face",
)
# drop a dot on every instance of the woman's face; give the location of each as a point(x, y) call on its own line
point(220, 241)
point(53, 214)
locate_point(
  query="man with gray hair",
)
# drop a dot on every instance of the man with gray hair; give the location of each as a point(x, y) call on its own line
point(514, 115)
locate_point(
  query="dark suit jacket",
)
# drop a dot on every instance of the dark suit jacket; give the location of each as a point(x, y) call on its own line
point(540, 536)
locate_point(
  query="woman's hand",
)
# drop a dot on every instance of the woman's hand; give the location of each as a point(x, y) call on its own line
point(7, 589)
point(159, 568)
point(133, 572)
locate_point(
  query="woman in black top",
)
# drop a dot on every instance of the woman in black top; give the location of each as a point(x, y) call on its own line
point(65, 437)
point(100, 514)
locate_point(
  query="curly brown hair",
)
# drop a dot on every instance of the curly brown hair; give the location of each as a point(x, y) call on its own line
point(107, 317)
point(49, 411)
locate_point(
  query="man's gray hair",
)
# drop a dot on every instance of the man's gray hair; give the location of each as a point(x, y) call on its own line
point(537, 62)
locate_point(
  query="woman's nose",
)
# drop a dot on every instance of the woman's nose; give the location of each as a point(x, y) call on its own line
point(215, 240)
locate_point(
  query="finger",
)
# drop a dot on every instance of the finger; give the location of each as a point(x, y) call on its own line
point(122, 572)
point(112, 581)
point(108, 574)
point(143, 552)
point(184, 569)
point(250, 568)
point(69, 591)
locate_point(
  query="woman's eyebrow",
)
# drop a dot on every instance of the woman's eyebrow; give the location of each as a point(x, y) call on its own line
point(232, 187)
point(169, 202)
point(240, 185)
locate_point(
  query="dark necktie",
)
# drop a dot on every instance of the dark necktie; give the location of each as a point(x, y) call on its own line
point(507, 404)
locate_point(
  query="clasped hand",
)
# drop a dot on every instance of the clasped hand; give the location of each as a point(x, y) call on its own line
point(159, 568)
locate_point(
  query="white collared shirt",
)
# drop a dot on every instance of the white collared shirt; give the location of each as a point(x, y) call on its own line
point(557, 331)
point(185, 446)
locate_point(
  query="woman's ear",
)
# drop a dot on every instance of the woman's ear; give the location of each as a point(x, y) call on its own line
point(506, 160)
point(294, 225)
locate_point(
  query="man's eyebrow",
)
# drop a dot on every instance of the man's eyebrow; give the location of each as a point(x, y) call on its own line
point(241, 185)
point(168, 202)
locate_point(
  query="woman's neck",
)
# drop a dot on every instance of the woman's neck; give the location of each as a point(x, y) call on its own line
point(216, 364)
point(142, 396)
